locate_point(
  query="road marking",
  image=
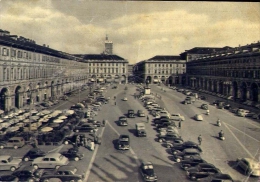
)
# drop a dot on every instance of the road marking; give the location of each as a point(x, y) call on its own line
point(238, 140)
point(57, 149)
point(87, 173)
point(131, 150)
point(242, 132)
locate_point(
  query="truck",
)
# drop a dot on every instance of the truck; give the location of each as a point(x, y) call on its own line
point(123, 142)
point(140, 130)
point(131, 113)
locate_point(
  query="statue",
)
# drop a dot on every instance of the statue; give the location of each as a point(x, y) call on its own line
point(147, 83)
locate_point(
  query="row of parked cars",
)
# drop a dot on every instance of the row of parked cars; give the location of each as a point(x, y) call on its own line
point(41, 160)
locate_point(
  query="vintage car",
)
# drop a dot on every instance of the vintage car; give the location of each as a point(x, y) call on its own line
point(7, 162)
point(177, 117)
point(28, 173)
point(123, 142)
point(179, 156)
point(51, 160)
point(188, 144)
point(147, 172)
point(33, 153)
point(86, 127)
point(173, 142)
point(191, 162)
point(11, 178)
point(131, 113)
point(140, 113)
point(168, 137)
point(217, 177)
point(65, 173)
point(198, 117)
point(72, 139)
point(73, 154)
point(201, 171)
point(249, 166)
point(14, 142)
point(122, 121)
point(204, 106)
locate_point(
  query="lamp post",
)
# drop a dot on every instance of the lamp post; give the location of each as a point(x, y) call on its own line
point(192, 81)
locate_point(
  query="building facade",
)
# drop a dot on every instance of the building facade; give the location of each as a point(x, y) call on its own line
point(32, 73)
point(105, 68)
point(166, 69)
point(232, 72)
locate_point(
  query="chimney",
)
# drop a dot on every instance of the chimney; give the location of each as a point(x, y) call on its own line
point(43, 45)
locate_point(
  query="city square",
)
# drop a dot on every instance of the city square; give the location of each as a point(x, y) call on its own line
point(101, 113)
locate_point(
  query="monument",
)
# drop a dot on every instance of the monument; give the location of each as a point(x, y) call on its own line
point(147, 89)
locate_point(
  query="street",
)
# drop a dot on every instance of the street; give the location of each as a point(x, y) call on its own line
point(106, 163)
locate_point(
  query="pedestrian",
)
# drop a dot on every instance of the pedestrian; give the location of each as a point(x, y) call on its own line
point(147, 119)
point(199, 139)
point(115, 103)
point(104, 122)
point(180, 124)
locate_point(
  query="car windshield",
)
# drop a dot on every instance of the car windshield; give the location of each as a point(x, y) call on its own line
point(148, 167)
point(61, 157)
point(10, 159)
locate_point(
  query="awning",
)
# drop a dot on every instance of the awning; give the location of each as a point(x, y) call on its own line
point(58, 121)
point(62, 117)
point(46, 129)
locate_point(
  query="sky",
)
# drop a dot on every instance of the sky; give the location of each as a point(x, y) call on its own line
point(139, 30)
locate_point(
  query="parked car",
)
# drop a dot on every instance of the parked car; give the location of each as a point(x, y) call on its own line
point(65, 173)
point(173, 142)
point(7, 162)
point(73, 154)
point(7, 178)
point(28, 173)
point(85, 128)
point(202, 97)
point(14, 142)
point(177, 117)
point(249, 166)
point(168, 137)
point(131, 113)
point(191, 162)
point(51, 160)
point(201, 171)
point(218, 177)
point(94, 122)
point(188, 144)
point(179, 156)
point(198, 117)
point(147, 172)
point(72, 139)
point(33, 153)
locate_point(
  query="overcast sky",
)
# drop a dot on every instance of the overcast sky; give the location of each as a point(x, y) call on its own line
point(138, 29)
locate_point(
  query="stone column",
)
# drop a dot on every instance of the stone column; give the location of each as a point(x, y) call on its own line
point(248, 93)
point(20, 102)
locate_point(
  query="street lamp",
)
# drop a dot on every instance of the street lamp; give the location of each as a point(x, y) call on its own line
point(192, 81)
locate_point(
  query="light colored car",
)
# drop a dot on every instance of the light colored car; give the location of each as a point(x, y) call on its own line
point(198, 117)
point(125, 99)
point(51, 160)
point(242, 112)
point(250, 166)
point(7, 162)
point(140, 113)
point(177, 117)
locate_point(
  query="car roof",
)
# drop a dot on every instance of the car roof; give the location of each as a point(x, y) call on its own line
point(190, 143)
point(53, 154)
point(66, 167)
point(191, 150)
point(206, 165)
point(250, 160)
point(147, 163)
point(27, 168)
point(222, 176)
point(196, 157)
point(4, 157)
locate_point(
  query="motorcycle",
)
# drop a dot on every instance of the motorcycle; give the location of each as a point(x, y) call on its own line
point(221, 137)
point(218, 123)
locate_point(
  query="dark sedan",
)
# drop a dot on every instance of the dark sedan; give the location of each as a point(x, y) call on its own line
point(218, 177)
point(191, 162)
point(33, 153)
point(28, 173)
point(147, 172)
point(85, 128)
point(73, 154)
point(179, 156)
point(185, 145)
point(10, 178)
point(202, 171)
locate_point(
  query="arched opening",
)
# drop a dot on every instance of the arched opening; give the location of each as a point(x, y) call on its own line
point(221, 89)
point(163, 79)
point(52, 90)
point(177, 82)
point(155, 79)
point(117, 79)
point(243, 89)
point(254, 92)
point(215, 85)
point(170, 80)
point(123, 79)
point(3, 96)
point(17, 97)
point(235, 91)
point(210, 86)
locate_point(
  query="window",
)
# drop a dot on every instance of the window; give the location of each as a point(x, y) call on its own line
point(13, 54)
point(183, 65)
point(123, 70)
point(5, 52)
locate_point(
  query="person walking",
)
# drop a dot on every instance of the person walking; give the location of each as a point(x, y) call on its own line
point(115, 103)
point(199, 139)
point(147, 119)
point(180, 124)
